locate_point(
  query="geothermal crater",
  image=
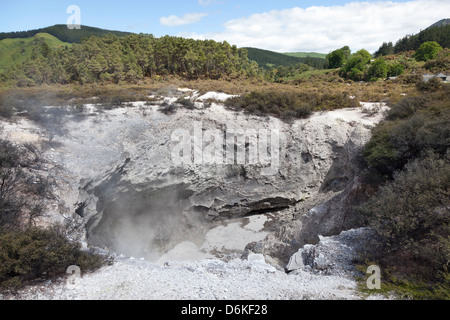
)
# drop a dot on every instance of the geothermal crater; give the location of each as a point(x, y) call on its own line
point(119, 188)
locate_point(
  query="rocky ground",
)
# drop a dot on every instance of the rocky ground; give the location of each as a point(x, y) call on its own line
point(114, 177)
point(330, 276)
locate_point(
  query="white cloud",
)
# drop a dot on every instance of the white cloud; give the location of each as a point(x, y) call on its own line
point(322, 29)
point(206, 3)
point(188, 18)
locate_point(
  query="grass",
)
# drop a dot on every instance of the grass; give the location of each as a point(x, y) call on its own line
point(15, 51)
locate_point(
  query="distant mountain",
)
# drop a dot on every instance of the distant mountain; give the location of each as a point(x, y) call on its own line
point(63, 33)
point(267, 59)
point(443, 22)
point(15, 51)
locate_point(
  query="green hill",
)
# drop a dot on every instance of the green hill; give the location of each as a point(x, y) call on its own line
point(267, 59)
point(306, 54)
point(64, 34)
point(14, 51)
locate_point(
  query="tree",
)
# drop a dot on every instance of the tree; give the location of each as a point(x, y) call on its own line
point(386, 49)
point(356, 66)
point(378, 69)
point(336, 59)
point(396, 70)
point(427, 51)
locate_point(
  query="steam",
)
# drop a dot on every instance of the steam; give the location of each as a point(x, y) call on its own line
point(146, 224)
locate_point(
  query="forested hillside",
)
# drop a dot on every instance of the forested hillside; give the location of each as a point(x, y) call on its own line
point(64, 34)
point(131, 58)
point(267, 59)
point(16, 51)
point(439, 33)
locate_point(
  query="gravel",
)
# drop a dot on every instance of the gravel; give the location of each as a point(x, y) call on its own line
point(211, 279)
point(328, 274)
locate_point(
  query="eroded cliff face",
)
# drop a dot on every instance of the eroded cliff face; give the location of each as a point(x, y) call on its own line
point(124, 187)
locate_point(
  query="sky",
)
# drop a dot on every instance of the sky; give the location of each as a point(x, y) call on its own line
point(281, 25)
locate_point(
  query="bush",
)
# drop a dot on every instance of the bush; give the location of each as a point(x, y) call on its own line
point(410, 215)
point(186, 103)
point(167, 108)
point(279, 104)
point(356, 66)
point(441, 63)
point(6, 111)
point(406, 107)
point(427, 51)
point(378, 69)
point(395, 70)
point(432, 85)
point(40, 253)
point(412, 130)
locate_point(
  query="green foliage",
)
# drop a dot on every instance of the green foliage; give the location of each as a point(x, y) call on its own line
point(16, 51)
point(357, 65)
point(336, 59)
point(378, 69)
point(406, 107)
point(131, 58)
point(441, 63)
point(36, 253)
point(411, 213)
point(63, 33)
point(395, 70)
point(387, 48)
point(407, 135)
point(427, 51)
point(439, 34)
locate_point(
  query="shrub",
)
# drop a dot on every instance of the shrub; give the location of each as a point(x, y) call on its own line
point(441, 63)
point(412, 130)
point(280, 104)
point(167, 108)
point(6, 111)
point(406, 107)
point(378, 69)
point(186, 103)
point(396, 70)
point(36, 253)
point(427, 51)
point(432, 85)
point(356, 66)
point(410, 215)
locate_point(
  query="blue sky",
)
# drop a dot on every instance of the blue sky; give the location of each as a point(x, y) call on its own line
point(282, 25)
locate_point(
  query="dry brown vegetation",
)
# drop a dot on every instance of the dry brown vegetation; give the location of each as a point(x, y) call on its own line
point(114, 95)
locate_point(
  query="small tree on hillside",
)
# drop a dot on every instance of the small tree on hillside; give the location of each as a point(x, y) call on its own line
point(427, 51)
point(378, 69)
